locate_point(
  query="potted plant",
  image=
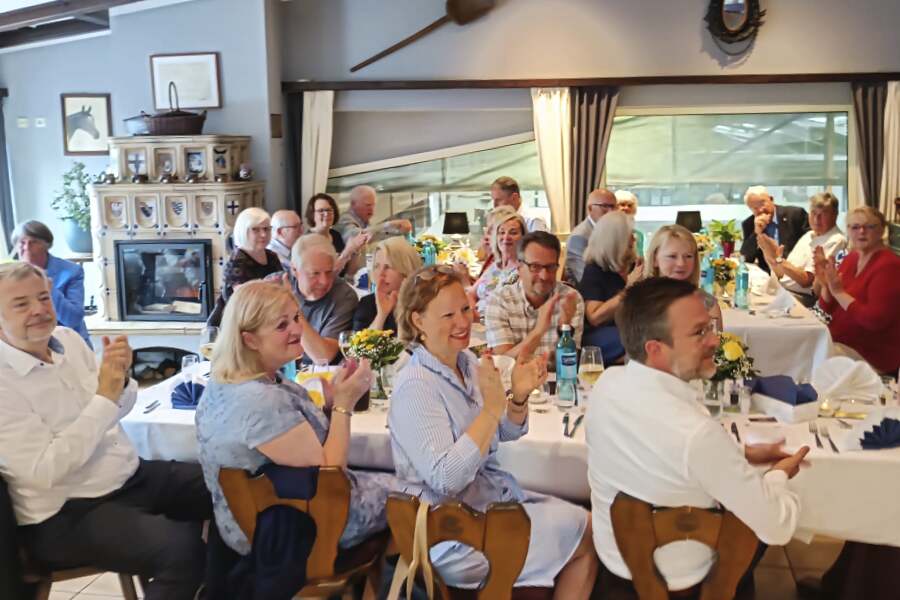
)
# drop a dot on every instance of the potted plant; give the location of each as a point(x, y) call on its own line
point(726, 233)
point(74, 204)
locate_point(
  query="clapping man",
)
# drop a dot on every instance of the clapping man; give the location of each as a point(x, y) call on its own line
point(784, 224)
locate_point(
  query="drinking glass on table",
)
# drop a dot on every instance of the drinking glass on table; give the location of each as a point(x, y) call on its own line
point(590, 367)
point(344, 338)
point(188, 364)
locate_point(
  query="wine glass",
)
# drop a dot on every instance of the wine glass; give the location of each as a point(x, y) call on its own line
point(188, 364)
point(344, 341)
point(590, 367)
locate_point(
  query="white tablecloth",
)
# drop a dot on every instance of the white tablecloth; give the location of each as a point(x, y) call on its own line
point(784, 345)
point(851, 496)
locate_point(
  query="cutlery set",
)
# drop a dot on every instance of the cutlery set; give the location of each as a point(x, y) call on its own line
point(814, 429)
point(570, 433)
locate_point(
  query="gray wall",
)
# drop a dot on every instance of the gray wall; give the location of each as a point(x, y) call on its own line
point(118, 64)
point(582, 38)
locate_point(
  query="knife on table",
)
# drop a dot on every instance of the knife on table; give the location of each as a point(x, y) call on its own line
point(734, 430)
point(575, 425)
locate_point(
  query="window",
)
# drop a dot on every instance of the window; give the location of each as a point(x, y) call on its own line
point(706, 161)
point(423, 187)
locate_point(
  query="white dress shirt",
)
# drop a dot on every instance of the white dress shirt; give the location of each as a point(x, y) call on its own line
point(649, 436)
point(58, 438)
point(832, 241)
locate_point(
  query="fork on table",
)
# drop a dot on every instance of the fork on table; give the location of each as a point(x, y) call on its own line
point(813, 429)
point(827, 435)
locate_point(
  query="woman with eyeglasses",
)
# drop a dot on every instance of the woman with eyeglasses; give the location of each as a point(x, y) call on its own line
point(448, 415)
point(321, 215)
point(251, 259)
point(611, 265)
point(862, 294)
point(508, 228)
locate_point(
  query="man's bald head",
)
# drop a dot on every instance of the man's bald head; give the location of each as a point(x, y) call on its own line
point(600, 202)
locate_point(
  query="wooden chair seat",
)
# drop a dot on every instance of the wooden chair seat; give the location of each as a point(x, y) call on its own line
point(43, 578)
point(501, 533)
point(328, 571)
point(640, 528)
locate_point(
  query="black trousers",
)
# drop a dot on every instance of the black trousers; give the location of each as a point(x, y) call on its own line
point(151, 527)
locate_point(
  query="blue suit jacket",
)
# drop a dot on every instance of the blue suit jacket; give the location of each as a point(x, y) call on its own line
point(68, 294)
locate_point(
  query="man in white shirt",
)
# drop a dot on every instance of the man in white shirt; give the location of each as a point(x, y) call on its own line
point(797, 272)
point(505, 192)
point(80, 493)
point(286, 229)
point(599, 202)
point(649, 435)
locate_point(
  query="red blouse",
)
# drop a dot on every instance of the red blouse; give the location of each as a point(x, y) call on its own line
point(871, 324)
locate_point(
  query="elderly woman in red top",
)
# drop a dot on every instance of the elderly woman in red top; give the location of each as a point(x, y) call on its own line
point(862, 295)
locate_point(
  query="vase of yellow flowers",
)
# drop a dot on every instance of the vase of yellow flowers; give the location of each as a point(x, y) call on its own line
point(724, 270)
point(704, 244)
point(732, 360)
point(382, 349)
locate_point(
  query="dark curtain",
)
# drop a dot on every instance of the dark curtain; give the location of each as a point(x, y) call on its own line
point(6, 200)
point(293, 130)
point(868, 101)
point(593, 109)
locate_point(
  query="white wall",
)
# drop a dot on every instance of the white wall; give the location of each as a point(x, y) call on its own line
point(583, 38)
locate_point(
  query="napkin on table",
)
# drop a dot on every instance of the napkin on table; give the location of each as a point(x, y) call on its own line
point(783, 302)
point(782, 387)
point(842, 377)
point(187, 394)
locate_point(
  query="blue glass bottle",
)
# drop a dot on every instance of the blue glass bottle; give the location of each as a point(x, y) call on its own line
point(742, 285)
point(707, 274)
point(429, 254)
point(566, 368)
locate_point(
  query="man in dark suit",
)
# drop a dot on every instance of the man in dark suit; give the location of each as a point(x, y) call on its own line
point(785, 224)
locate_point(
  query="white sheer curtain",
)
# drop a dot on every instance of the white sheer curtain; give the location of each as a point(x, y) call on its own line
point(315, 142)
point(890, 175)
point(553, 139)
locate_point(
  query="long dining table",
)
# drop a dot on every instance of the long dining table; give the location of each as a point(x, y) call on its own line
point(850, 495)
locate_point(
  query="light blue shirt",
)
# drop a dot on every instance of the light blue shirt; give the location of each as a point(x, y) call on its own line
point(68, 294)
point(434, 457)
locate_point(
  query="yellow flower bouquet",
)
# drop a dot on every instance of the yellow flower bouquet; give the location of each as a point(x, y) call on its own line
point(704, 244)
point(439, 244)
point(379, 346)
point(732, 360)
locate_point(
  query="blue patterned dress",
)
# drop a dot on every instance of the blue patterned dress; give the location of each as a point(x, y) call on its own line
point(234, 419)
point(435, 459)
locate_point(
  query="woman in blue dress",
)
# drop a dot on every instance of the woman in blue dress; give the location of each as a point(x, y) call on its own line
point(248, 416)
point(448, 414)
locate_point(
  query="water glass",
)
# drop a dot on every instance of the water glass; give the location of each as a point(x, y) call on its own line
point(712, 397)
point(590, 367)
point(344, 338)
point(188, 364)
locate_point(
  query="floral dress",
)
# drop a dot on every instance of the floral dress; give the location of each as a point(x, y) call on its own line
point(492, 278)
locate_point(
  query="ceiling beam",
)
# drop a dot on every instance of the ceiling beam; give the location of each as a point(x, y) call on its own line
point(28, 35)
point(50, 11)
point(290, 87)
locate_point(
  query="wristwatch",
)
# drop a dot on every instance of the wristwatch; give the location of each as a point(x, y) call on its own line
point(510, 398)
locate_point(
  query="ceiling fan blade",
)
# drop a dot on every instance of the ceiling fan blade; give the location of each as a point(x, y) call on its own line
point(405, 42)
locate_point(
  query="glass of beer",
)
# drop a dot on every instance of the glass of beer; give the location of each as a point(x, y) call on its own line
point(590, 367)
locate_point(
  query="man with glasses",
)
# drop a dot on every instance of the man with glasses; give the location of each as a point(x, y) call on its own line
point(286, 229)
point(649, 436)
point(599, 202)
point(524, 317)
point(784, 224)
point(797, 272)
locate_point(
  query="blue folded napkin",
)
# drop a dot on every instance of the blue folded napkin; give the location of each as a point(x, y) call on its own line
point(186, 395)
point(884, 435)
point(782, 387)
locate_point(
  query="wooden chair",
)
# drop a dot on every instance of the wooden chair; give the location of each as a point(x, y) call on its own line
point(43, 579)
point(502, 533)
point(328, 572)
point(640, 528)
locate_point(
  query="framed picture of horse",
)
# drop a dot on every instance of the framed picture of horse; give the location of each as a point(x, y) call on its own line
point(87, 124)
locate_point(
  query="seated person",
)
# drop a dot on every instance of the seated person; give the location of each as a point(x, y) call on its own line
point(649, 437)
point(673, 253)
point(394, 260)
point(448, 415)
point(286, 228)
point(610, 266)
point(784, 224)
point(508, 229)
point(627, 202)
point(525, 316)
point(326, 302)
point(599, 202)
point(796, 274)
point(80, 493)
point(248, 416)
point(32, 241)
point(321, 213)
point(251, 258)
point(862, 296)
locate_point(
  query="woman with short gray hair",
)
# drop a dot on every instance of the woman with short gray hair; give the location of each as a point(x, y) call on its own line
point(611, 265)
point(32, 241)
point(251, 259)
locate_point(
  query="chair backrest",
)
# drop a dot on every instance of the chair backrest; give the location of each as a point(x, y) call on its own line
point(502, 533)
point(640, 528)
point(247, 496)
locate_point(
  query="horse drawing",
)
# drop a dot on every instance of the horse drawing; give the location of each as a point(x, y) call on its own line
point(83, 120)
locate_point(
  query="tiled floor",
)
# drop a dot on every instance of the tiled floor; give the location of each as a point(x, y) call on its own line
point(774, 580)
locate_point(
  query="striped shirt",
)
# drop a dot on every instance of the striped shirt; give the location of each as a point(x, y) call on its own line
point(510, 317)
point(434, 457)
